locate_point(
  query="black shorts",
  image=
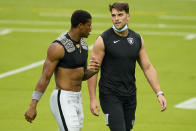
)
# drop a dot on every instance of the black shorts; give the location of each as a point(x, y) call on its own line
point(119, 111)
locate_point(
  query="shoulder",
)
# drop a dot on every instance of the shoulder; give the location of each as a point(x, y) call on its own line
point(55, 51)
point(107, 33)
point(66, 43)
point(84, 44)
point(99, 44)
point(132, 32)
point(107, 36)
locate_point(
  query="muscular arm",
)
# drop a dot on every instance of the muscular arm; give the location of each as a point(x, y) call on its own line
point(92, 70)
point(55, 52)
point(150, 74)
point(97, 54)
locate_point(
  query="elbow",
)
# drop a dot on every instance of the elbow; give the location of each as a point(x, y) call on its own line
point(148, 67)
point(46, 79)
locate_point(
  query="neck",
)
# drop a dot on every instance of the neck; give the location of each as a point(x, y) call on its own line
point(74, 34)
point(122, 34)
point(121, 29)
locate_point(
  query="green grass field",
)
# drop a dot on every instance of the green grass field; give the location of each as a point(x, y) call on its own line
point(27, 27)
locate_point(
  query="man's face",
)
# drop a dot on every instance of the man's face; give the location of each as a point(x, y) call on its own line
point(119, 18)
point(86, 28)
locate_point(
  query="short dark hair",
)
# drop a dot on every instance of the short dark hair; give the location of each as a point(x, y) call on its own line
point(120, 6)
point(79, 16)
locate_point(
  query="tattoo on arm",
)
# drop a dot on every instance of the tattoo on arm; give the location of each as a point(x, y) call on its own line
point(88, 74)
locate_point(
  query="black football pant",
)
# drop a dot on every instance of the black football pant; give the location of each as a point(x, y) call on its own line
point(119, 111)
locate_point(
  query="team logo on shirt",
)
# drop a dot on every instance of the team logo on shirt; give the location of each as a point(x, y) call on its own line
point(130, 40)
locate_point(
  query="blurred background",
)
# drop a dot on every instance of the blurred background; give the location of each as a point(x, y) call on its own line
point(168, 27)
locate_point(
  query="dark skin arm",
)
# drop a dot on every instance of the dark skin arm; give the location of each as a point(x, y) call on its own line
point(92, 70)
point(55, 52)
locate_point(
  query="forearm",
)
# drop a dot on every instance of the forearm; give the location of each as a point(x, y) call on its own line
point(92, 84)
point(42, 84)
point(88, 74)
point(39, 90)
point(151, 75)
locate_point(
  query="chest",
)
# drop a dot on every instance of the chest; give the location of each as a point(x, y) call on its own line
point(123, 48)
point(76, 58)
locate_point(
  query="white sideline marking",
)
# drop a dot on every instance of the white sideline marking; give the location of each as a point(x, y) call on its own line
point(90, 47)
point(69, 15)
point(189, 104)
point(37, 30)
point(178, 17)
point(167, 33)
point(27, 22)
point(12, 72)
point(172, 26)
point(5, 31)
point(190, 37)
point(28, 67)
point(100, 31)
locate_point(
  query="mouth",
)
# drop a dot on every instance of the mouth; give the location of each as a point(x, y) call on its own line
point(117, 24)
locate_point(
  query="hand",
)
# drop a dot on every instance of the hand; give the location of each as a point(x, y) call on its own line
point(94, 65)
point(94, 107)
point(30, 114)
point(162, 102)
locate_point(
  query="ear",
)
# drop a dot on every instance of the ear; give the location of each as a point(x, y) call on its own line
point(128, 16)
point(80, 25)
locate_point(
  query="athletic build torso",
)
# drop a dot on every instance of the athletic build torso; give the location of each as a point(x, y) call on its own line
point(118, 66)
point(70, 69)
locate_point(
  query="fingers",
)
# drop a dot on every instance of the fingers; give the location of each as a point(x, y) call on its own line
point(95, 111)
point(94, 65)
point(163, 106)
point(94, 107)
point(95, 61)
point(162, 102)
point(30, 117)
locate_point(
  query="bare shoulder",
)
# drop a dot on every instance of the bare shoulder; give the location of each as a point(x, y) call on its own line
point(100, 39)
point(99, 43)
point(142, 43)
point(98, 49)
point(56, 51)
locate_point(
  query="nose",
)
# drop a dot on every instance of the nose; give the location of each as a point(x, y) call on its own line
point(90, 28)
point(116, 18)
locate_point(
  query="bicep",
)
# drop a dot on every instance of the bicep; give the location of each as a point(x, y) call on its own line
point(98, 51)
point(55, 53)
point(49, 67)
point(143, 59)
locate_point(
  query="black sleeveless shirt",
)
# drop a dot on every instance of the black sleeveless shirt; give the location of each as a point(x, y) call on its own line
point(76, 53)
point(118, 66)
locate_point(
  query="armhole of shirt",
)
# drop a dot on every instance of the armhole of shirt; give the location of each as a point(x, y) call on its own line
point(104, 36)
point(140, 43)
point(140, 39)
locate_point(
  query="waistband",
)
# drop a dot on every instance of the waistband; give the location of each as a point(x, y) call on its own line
point(70, 92)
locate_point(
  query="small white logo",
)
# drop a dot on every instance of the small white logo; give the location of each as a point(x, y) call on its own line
point(133, 122)
point(116, 41)
point(106, 119)
point(130, 40)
